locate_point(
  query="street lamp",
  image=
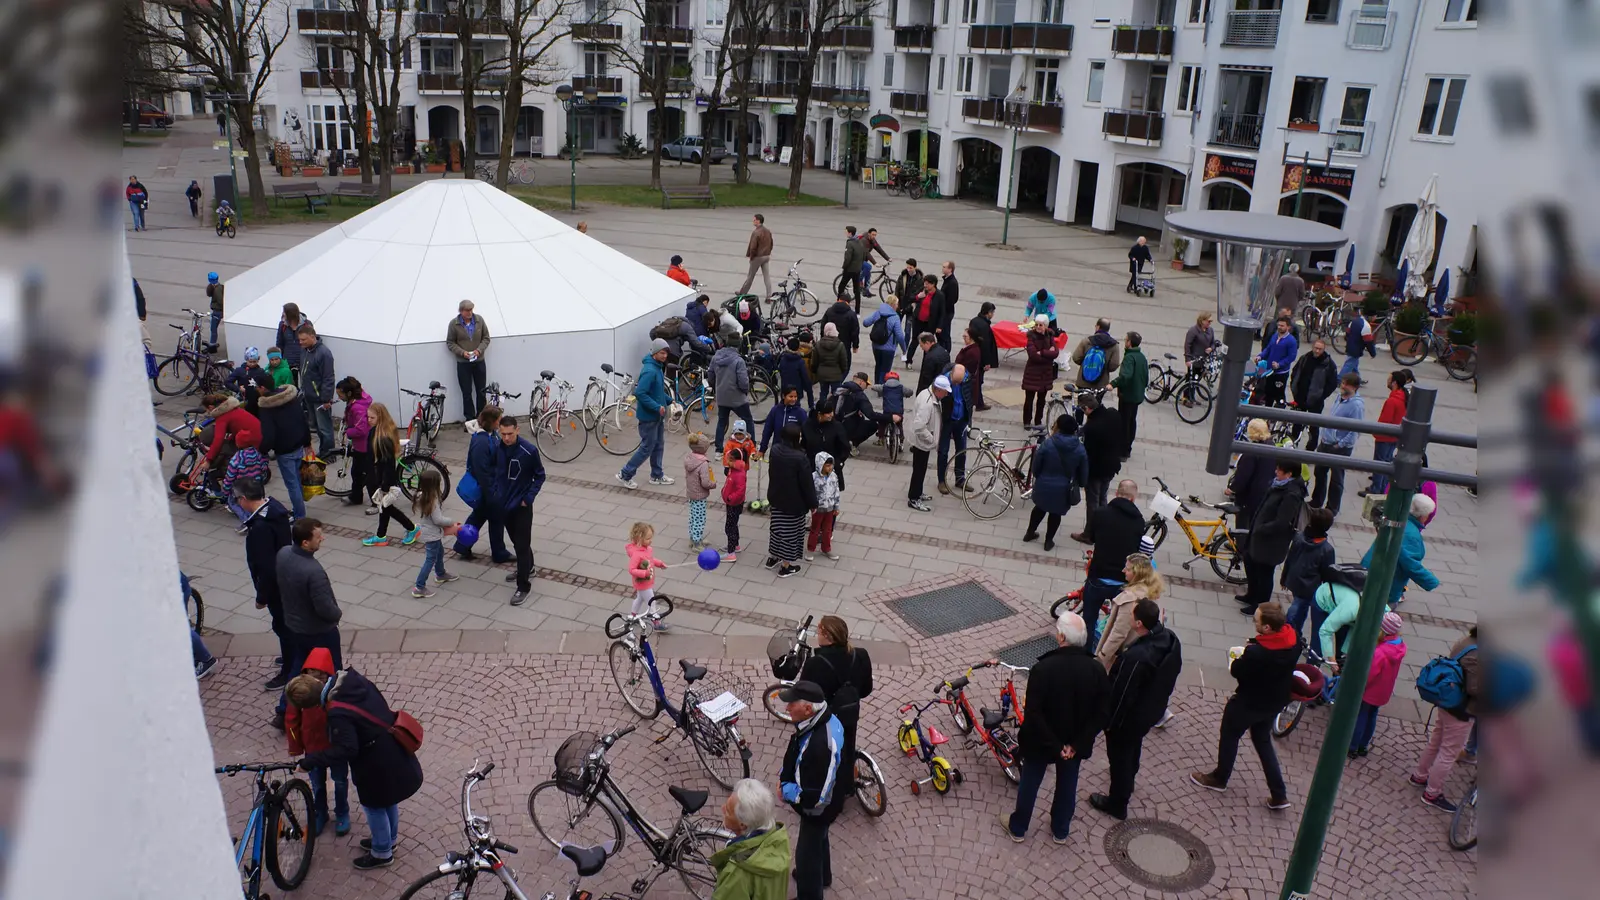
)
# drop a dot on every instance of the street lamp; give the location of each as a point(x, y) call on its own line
point(850, 105)
point(1016, 119)
point(569, 101)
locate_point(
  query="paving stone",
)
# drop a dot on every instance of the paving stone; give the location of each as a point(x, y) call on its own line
point(432, 640)
point(375, 640)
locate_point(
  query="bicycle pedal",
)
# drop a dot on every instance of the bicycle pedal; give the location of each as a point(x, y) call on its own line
point(639, 886)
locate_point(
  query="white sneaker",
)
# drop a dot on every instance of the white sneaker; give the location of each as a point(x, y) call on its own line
point(810, 557)
point(1166, 717)
point(665, 479)
point(831, 555)
point(628, 483)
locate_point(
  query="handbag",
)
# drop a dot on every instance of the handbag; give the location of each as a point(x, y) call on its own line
point(468, 490)
point(406, 730)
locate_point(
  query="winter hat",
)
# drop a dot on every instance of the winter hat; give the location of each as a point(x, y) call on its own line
point(677, 260)
point(942, 383)
point(1391, 623)
point(698, 442)
point(830, 330)
point(657, 345)
point(739, 426)
point(251, 354)
point(1147, 545)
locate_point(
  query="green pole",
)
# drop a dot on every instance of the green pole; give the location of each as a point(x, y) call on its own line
point(572, 152)
point(233, 167)
point(849, 134)
point(1313, 833)
point(1011, 179)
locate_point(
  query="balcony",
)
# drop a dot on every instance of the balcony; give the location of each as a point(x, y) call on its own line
point(324, 79)
point(994, 111)
point(908, 103)
point(1041, 38)
point(772, 90)
point(1240, 130)
point(438, 82)
point(447, 25)
point(1252, 28)
point(667, 34)
point(605, 84)
point(1142, 42)
point(839, 93)
point(326, 21)
point(849, 37)
point(914, 38)
point(596, 33)
point(989, 38)
point(1351, 138)
point(1371, 30)
point(781, 38)
point(1133, 126)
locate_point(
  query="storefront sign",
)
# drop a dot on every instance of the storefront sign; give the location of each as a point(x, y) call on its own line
point(884, 122)
point(1239, 168)
point(1318, 178)
point(783, 109)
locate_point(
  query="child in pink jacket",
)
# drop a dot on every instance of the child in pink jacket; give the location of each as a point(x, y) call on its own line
point(642, 564)
point(1385, 671)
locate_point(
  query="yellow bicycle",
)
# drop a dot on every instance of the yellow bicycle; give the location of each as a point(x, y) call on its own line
point(1210, 539)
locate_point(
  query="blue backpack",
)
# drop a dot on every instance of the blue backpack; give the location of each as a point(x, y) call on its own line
point(1094, 363)
point(1443, 682)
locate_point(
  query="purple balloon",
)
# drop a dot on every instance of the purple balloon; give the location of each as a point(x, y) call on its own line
point(709, 558)
point(467, 535)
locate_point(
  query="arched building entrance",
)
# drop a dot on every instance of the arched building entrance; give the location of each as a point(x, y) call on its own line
point(1036, 178)
point(444, 123)
point(979, 163)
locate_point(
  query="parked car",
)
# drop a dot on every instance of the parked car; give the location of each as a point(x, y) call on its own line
point(691, 148)
point(150, 115)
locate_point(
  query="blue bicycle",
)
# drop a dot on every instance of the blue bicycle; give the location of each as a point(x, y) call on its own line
point(711, 723)
point(278, 835)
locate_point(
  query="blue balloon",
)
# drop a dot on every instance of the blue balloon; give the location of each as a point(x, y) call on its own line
point(467, 535)
point(709, 558)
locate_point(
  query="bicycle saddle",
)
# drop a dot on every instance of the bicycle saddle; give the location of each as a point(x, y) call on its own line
point(991, 718)
point(691, 801)
point(606, 368)
point(548, 375)
point(434, 385)
point(223, 362)
point(692, 672)
point(1169, 356)
point(589, 860)
point(1229, 508)
point(957, 684)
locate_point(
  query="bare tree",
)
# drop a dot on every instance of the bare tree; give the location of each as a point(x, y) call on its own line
point(823, 18)
point(534, 27)
point(231, 45)
point(657, 53)
point(145, 70)
point(755, 18)
point(383, 41)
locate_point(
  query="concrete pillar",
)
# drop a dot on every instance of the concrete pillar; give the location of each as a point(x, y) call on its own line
point(1053, 182)
point(1105, 198)
point(1066, 188)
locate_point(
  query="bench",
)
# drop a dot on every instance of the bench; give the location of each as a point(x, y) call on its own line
point(356, 189)
point(298, 190)
point(314, 203)
point(699, 193)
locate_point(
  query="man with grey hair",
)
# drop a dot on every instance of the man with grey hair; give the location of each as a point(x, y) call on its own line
point(467, 339)
point(1291, 288)
point(1067, 703)
point(755, 864)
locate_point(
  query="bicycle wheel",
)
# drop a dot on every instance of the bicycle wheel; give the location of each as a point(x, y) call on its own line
point(1157, 388)
point(179, 484)
point(1009, 765)
point(943, 773)
point(804, 302)
point(175, 375)
point(290, 838)
point(536, 402)
point(958, 712)
point(618, 430)
point(1464, 824)
point(774, 704)
point(632, 675)
point(895, 442)
point(719, 751)
point(1158, 532)
point(871, 789)
point(1193, 402)
point(693, 860)
point(1462, 364)
point(701, 414)
point(195, 606)
point(841, 284)
point(1054, 410)
point(1225, 559)
point(989, 492)
point(561, 436)
point(233, 231)
point(1287, 718)
point(432, 420)
point(967, 460)
point(1070, 603)
point(1409, 349)
point(563, 817)
point(412, 465)
point(915, 190)
point(200, 499)
point(884, 285)
point(594, 400)
point(339, 478)
point(760, 400)
point(449, 886)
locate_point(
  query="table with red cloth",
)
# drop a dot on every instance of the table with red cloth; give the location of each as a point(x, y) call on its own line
point(1010, 336)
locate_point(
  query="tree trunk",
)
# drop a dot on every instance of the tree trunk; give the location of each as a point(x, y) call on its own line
point(252, 163)
point(508, 129)
point(362, 130)
point(714, 123)
point(802, 104)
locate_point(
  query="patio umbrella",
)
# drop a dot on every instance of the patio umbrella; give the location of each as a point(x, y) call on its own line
point(1400, 280)
point(1419, 241)
point(1349, 269)
point(1441, 293)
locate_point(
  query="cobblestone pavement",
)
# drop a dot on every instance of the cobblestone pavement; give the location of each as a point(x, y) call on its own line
point(516, 708)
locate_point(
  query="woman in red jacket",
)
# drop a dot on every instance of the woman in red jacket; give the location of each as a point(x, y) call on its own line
point(234, 428)
point(1394, 409)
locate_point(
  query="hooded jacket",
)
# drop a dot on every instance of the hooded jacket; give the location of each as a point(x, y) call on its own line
point(1341, 604)
point(266, 532)
point(1302, 571)
point(1386, 660)
point(812, 765)
point(383, 772)
point(730, 379)
point(309, 606)
point(480, 462)
point(651, 390)
point(356, 426)
point(779, 416)
point(1276, 522)
point(640, 562)
point(1066, 703)
point(289, 344)
point(830, 359)
point(1104, 440)
point(1409, 567)
point(736, 462)
point(1113, 353)
point(250, 382)
point(817, 436)
point(316, 373)
point(283, 422)
point(307, 729)
point(1039, 372)
point(1117, 528)
point(697, 478)
point(518, 474)
point(923, 433)
point(1143, 676)
point(1059, 463)
point(753, 867)
point(891, 320)
point(790, 488)
point(827, 486)
point(281, 375)
point(694, 312)
point(894, 395)
point(793, 371)
point(1265, 670)
point(1313, 371)
point(1040, 303)
point(853, 411)
point(1394, 409)
point(1118, 631)
point(233, 424)
point(843, 317)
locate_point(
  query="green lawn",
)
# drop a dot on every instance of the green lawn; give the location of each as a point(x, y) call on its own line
point(290, 211)
point(557, 197)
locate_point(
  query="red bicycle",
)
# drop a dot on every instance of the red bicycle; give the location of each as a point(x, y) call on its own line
point(990, 724)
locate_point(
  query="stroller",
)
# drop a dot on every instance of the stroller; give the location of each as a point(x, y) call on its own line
point(1145, 285)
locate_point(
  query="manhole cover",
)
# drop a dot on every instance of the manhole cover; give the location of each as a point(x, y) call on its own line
point(950, 609)
point(1159, 855)
point(1028, 652)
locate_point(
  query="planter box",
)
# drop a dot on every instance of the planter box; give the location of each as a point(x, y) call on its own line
point(1304, 126)
point(434, 168)
point(352, 170)
point(311, 171)
point(404, 169)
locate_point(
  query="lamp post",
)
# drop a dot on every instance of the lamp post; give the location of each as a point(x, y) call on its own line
point(569, 102)
point(227, 101)
point(1251, 251)
point(1016, 120)
point(850, 106)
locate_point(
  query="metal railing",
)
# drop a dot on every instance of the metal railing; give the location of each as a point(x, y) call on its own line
point(774, 37)
point(449, 82)
point(1242, 130)
point(440, 23)
point(1149, 40)
point(596, 32)
point(1041, 37)
point(667, 34)
point(1252, 28)
point(323, 19)
point(839, 93)
point(989, 37)
point(605, 84)
point(1371, 30)
point(1133, 126)
point(909, 102)
point(858, 37)
point(311, 79)
point(913, 37)
point(1002, 113)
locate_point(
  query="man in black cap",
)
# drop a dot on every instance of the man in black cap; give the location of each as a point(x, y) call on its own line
point(809, 779)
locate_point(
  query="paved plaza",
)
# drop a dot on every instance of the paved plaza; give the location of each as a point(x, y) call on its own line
point(510, 683)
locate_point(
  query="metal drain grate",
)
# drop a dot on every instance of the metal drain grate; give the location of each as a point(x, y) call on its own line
point(1159, 855)
point(1028, 652)
point(950, 609)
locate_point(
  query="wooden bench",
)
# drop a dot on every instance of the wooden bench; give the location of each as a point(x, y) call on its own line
point(356, 189)
point(299, 190)
point(699, 193)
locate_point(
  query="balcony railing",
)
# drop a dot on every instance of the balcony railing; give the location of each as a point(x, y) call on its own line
point(772, 90)
point(839, 93)
point(1242, 130)
point(1133, 126)
point(1371, 30)
point(854, 37)
point(909, 103)
point(914, 38)
point(440, 23)
point(596, 33)
point(676, 87)
point(1350, 138)
point(989, 38)
point(605, 84)
point(1144, 42)
point(996, 111)
point(311, 79)
point(437, 82)
point(775, 37)
point(1041, 38)
point(336, 20)
point(1252, 28)
point(667, 34)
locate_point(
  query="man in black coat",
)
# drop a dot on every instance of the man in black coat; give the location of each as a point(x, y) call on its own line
point(1271, 533)
point(267, 532)
point(854, 412)
point(1118, 526)
point(983, 336)
point(285, 435)
point(809, 781)
point(821, 432)
point(855, 253)
point(311, 612)
point(1103, 440)
point(1137, 254)
point(935, 359)
point(1142, 678)
point(1265, 672)
point(1312, 381)
point(1067, 699)
point(930, 300)
point(952, 293)
point(845, 319)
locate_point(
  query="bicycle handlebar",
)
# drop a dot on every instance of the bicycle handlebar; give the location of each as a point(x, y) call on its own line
point(236, 768)
point(611, 739)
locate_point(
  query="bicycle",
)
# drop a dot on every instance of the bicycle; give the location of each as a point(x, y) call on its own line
point(633, 665)
point(1463, 834)
point(185, 437)
point(227, 226)
point(278, 827)
point(1460, 362)
point(557, 431)
point(697, 401)
point(878, 281)
point(520, 171)
point(990, 724)
point(582, 782)
point(427, 417)
point(1219, 546)
point(924, 184)
point(788, 653)
point(496, 396)
point(990, 484)
point(191, 367)
point(1321, 314)
point(1287, 718)
point(600, 391)
point(1163, 380)
point(483, 853)
point(194, 606)
point(339, 465)
point(788, 302)
point(413, 463)
point(617, 426)
point(923, 745)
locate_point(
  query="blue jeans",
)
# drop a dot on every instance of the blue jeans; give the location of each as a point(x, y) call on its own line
point(1382, 452)
point(138, 215)
point(650, 446)
point(198, 648)
point(341, 789)
point(1095, 594)
point(1061, 807)
point(882, 364)
point(289, 468)
point(1351, 364)
point(1297, 614)
point(432, 558)
point(384, 823)
point(216, 319)
point(723, 414)
point(952, 433)
point(1366, 724)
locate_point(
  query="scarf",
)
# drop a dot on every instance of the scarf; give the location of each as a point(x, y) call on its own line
point(1280, 482)
point(1282, 639)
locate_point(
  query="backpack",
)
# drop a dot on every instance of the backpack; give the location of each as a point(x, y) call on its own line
point(848, 696)
point(668, 329)
point(1443, 682)
point(468, 489)
point(880, 331)
point(1094, 363)
point(406, 730)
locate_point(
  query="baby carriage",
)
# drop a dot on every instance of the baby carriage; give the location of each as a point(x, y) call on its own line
point(1145, 285)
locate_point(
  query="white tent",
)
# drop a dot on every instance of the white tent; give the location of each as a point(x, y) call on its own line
point(382, 287)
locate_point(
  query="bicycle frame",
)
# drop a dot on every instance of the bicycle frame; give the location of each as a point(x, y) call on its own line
point(483, 850)
point(254, 837)
point(655, 680)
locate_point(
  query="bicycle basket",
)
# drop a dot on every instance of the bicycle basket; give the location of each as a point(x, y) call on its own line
point(572, 772)
point(787, 659)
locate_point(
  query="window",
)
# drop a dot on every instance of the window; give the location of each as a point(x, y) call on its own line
point(1188, 88)
point(1440, 107)
point(1461, 12)
point(710, 63)
point(964, 75)
point(858, 72)
point(969, 11)
point(1052, 11)
point(1097, 79)
point(330, 127)
point(438, 55)
point(1325, 11)
point(1513, 109)
point(594, 60)
point(716, 12)
point(1156, 89)
point(1305, 104)
point(888, 70)
point(941, 73)
point(1198, 10)
point(330, 55)
point(1354, 110)
point(1046, 79)
point(1369, 30)
point(945, 16)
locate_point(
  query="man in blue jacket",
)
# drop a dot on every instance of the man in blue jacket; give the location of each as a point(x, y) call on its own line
point(480, 465)
point(651, 393)
point(518, 476)
point(893, 331)
point(1278, 354)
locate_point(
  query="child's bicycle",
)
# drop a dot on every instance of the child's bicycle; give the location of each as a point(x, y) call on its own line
point(1311, 687)
point(990, 724)
point(226, 224)
point(914, 741)
point(278, 836)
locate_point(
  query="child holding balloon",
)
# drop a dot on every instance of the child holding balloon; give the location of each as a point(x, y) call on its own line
point(432, 526)
point(642, 564)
